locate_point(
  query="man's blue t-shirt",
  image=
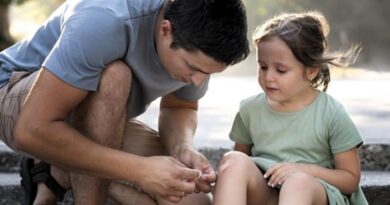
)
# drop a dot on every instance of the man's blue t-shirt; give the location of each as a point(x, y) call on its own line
point(82, 36)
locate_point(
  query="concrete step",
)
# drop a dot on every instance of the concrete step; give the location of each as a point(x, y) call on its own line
point(375, 180)
point(376, 186)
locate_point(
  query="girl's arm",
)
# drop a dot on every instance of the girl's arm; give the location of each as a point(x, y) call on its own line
point(245, 148)
point(345, 176)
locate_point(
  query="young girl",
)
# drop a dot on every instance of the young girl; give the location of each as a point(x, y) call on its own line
point(294, 144)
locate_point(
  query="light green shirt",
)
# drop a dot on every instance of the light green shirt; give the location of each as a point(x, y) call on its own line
point(312, 135)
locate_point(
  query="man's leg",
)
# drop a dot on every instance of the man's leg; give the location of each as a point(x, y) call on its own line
point(142, 140)
point(101, 117)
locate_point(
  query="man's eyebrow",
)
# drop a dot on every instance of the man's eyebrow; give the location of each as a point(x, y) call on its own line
point(196, 69)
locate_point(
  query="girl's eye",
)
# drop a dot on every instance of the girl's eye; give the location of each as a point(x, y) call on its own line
point(281, 71)
point(263, 67)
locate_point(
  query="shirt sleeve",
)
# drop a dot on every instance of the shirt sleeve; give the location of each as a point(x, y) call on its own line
point(239, 132)
point(343, 132)
point(90, 39)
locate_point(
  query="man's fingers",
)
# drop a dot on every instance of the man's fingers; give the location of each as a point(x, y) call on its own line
point(174, 199)
point(209, 177)
point(187, 186)
point(179, 193)
point(204, 186)
point(190, 174)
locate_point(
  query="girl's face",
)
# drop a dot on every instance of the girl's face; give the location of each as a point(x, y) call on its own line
point(281, 75)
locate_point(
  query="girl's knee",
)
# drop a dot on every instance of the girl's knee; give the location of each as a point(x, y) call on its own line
point(304, 185)
point(300, 181)
point(234, 161)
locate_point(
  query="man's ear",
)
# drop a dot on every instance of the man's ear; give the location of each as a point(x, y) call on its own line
point(312, 72)
point(165, 28)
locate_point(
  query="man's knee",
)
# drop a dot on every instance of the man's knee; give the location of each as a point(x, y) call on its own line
point(118, 70)
point(115, 81)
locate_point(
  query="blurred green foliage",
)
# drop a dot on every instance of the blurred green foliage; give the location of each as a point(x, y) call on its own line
point(36, 10)
point(8, 2)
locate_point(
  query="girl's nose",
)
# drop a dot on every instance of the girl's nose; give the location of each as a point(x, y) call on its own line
point(268, 75)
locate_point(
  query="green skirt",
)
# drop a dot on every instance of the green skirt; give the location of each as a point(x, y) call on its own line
point(335, 197)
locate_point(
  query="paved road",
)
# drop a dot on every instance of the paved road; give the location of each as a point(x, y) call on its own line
point(366, 97)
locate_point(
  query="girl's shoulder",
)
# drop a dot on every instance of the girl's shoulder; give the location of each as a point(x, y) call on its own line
point(254, 100)
point(327, 102)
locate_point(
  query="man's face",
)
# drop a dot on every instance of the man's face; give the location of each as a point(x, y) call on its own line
point(189, 67)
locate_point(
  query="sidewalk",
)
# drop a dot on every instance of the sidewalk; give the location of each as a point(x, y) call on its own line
point(365, 94)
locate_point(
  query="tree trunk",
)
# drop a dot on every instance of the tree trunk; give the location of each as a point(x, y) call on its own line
point(5, 37)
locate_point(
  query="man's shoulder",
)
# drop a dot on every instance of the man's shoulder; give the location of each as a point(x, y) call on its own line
point(121, 9)
point(143, 8)
point(130, 8)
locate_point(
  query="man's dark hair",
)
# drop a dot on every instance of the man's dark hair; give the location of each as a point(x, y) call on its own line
point(218, 28)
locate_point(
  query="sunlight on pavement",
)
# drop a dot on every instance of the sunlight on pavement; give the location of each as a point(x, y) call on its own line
point(366, 97)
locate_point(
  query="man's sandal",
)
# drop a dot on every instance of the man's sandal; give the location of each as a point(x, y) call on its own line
point(32, 175)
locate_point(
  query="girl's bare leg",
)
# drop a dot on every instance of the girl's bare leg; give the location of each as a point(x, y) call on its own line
point(240, 182)
point(300, 188)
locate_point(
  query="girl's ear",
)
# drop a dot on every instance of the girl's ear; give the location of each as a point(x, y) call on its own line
point(311, 73)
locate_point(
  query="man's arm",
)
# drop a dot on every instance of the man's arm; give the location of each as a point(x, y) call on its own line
point(177, 125)
point(41, 130)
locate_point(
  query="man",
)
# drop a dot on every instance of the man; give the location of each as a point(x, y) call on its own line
point(68, 91)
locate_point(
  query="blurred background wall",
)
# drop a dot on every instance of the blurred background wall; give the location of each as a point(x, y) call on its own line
point(352, 21)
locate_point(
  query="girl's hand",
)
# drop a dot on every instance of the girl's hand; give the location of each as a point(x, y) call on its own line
point(279, 172)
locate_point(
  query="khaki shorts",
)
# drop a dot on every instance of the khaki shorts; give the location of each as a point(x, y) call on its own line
point(12, 96)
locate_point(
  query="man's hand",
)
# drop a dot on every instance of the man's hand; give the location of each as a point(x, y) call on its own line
point(177, 124)
point(167, 178)
point(193, 159)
